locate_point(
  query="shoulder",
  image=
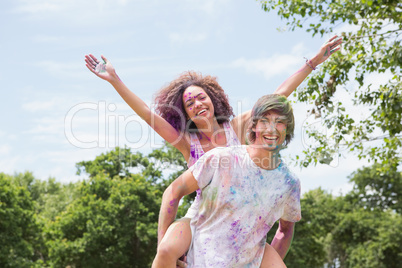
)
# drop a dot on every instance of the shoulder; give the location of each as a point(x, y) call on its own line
point(220, 154)
point(240, 125)
point(290, 177)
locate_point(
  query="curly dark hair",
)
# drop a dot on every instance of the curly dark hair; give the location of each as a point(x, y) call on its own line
point(276, 103)
point(169, 101)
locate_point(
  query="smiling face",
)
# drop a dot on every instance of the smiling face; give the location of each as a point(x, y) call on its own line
point(270, 131)
point(197, 104)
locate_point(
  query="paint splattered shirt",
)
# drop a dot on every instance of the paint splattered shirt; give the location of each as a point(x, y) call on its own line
point(196, 152)
point(240, 204)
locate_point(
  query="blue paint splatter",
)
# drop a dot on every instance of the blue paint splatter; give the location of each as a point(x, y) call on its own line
point(232, 190)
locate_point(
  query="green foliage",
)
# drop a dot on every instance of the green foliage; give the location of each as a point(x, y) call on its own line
point(334, 232)
point(367, 239)
point(119, 162)
point(50, 197)
point(18, 225)
point(112, 224)
point(376, 189)
point(372, 46)
point(112, 221)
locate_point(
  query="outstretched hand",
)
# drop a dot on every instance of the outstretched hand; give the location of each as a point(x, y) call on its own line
point(104, 69)
point(329, 48)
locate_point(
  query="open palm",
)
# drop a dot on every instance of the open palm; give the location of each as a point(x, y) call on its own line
point(104, 69)
point(331, 46)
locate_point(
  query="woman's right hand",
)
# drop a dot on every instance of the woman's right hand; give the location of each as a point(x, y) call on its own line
point(104, 70)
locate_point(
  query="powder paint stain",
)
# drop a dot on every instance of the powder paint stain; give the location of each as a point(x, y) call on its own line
point(173, 202)
point(232, 190)
point(235, 223)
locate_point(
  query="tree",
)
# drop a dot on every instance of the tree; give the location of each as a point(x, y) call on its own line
point(375, 189)
point(49, 196)
point(119, 162)
point(112, 224)
point(365, 239)
point(113, 220)
point(19, 230)
point(371, 46)
point(334, 232)
point(319, 217)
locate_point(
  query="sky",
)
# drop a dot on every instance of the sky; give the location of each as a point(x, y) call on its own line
point(56, 113)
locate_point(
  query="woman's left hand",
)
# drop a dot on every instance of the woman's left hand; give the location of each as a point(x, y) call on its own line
point(326, 50)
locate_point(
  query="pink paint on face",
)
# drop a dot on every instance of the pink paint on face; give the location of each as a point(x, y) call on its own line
point(198, 102)
point(189, 98)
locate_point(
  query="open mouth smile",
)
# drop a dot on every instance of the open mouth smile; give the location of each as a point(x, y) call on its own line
point(271, 138)
point(203, 111)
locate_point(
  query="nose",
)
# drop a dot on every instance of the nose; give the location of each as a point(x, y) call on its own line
point(197, 103)
point(270, 126)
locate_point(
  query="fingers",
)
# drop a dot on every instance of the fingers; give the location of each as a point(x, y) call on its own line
point(90, 68)
point(334, 41)
point(335, 45)
point(335, 49)
point(104, 59)
point(181, 264)
point(332, 38)
point(91, 61)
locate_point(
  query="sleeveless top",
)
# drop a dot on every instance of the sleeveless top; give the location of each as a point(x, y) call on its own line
point(196, 152)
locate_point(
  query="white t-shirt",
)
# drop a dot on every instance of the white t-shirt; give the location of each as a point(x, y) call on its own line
point(240, 204)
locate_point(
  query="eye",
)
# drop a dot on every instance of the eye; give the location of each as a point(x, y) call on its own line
point(190, 103)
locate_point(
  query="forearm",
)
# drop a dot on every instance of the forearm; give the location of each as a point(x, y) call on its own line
point(137, 104)
point(282, 240)
point(290, 84)
point(167, 212)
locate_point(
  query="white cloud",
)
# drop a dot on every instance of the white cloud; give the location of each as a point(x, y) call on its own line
point(48, 39)
point(40, 6)
point(275, 65)
point(35, 106)
point(9, 165)
point(186, 38)
point(62, 69)
point(269, 67)
point(210, 7)
point(5, 149)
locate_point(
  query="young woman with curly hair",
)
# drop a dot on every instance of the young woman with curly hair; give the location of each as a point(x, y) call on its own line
point(193, 114)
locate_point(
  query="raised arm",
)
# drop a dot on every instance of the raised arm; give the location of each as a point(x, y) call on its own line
point(240, 123)
point(107, 72)
point(183, 185)
point(326, 50)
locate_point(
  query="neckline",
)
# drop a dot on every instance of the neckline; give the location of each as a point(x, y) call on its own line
point(255, 165)
point(195, 137)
